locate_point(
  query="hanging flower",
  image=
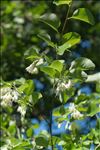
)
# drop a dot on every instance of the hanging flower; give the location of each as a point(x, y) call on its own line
point(22, 110)
point(68, 85)
point(63, 86)
point(72, 107)
point(8, 95)
point(4, 90)
point(32, 69)
point(74, 112)
point(40, 62)
point(6, 100)
point(15, 95)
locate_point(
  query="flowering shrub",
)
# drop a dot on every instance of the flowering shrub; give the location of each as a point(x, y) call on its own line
point(19, 97)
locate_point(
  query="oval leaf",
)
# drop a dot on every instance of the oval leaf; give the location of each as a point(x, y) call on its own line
point(52, 20)
point(48, 70)
point(57, 65)
point(82, 63)
point(70, 39)
point(83, 14)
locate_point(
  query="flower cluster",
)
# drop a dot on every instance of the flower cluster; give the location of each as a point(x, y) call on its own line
point(8, 96)
point(63, 86)
point(74, 112)
point(32, 69)
point(22, 110)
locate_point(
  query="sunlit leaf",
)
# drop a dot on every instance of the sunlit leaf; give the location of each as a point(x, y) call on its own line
point(69, 39)
point(83, 14)
point(82, 63)
point(48, 70)
point(57, 65)
point(61, 2)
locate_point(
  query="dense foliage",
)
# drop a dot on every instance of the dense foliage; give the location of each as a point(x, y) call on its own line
point(49, 51)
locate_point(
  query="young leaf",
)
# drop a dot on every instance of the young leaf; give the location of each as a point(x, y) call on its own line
point(61, 2)
point(57, 65)
point(52, 20)
point(82, 63)
point(48, 70)
point(70, 39)
point(47, 39)
point(83, 14)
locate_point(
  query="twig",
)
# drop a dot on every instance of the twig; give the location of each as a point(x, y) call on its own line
point(65, 20)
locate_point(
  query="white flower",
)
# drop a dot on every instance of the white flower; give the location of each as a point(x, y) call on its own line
point(72, 107)
point(67, 125)
point(76, 114)
point(30, 68)
point(59, 125)
point(34, 144)
point(4, 90)
point(68, 85)
point(5, 147)
point(39, 62)
point(33, 67)
point(8, 95)
point(11, 123)
point(22, 110)
point(63, 86)
point(15, 95)
point(6, 100)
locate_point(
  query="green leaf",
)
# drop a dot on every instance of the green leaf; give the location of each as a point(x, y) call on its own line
point(48, 70)
point(82, 63)
point(78, 75)
point(51, 20)
point(98, 86)
point(61, 2)
point(27, 87)
point(70, 39)
point(36, 96)
point(32, 54)
point(42, 140)
point(93, 109)
point(83, 14)
point(57, 65)
point(29, 132)
point(47, 39)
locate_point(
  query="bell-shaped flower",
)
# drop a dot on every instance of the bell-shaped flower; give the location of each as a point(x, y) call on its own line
point(15, 95)
point(72, 107)
point(32, 69)
point(40, 62)
point(76, 114)
point(22, 110)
